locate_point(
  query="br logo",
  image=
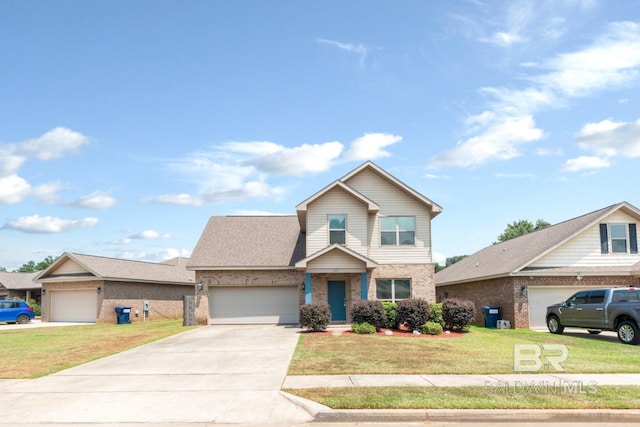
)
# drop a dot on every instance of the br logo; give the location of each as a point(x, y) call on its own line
point(535, 357)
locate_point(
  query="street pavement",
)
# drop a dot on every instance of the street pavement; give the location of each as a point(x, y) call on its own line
point(235, 375)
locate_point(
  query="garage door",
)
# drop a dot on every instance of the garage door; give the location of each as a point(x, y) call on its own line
point(249, 305)
point(540, 297)
point(74, 306)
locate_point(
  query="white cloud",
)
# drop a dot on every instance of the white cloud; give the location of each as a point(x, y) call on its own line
point(51, 145)
point(610, 138)
point(610, 62)
point(48, 224)
point(175, 199)
point(585, 163)
point(499, 140)
point(150, 235)
point(359, 49)
point(371, 146)
point(300, 160)
point(96, 200)
point(161, 255)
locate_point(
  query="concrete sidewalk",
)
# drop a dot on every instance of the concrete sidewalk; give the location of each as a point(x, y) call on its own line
point(494, 381)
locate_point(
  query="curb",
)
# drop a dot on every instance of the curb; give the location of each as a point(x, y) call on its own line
point(597, 416)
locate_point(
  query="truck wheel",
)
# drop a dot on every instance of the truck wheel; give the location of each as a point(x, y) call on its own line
point(553, 323)
point(628, 332)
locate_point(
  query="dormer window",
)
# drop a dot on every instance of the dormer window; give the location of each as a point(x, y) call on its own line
point(397, 230)
point(337, 229)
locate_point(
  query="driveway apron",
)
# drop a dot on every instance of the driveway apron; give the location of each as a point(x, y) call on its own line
point(214, 374)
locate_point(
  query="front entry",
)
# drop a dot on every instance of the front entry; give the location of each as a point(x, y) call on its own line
point(337, 300)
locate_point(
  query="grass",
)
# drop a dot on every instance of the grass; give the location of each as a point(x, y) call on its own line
point(588, 397)
point(35, 352)
point(481, 351)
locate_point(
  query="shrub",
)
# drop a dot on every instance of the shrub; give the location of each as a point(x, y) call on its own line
point(315, 316)
point(431, 328)
point(370, 312)
point(391, 313)
point(413, 313)
point(363, 328)
point(435, 313)
point(37, 310)
point(458, 313)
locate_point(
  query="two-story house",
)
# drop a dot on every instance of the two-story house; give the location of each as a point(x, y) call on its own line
point(365, 236)
point(524, 275)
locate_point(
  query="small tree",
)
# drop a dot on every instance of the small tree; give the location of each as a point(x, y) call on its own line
point(391, 312)
point(315, 316)
point(436, 313)
point(413, 313)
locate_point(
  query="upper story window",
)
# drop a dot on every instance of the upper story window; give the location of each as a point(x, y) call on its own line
point(618, 238)
point(397, 230)
point(337, 229)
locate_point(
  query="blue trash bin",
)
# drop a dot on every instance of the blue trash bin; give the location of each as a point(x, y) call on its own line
point(491, 315)
point(122, 314)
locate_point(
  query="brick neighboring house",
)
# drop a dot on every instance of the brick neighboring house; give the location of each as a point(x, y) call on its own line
point(86, 288)
point(365, 236)
point(526, 274)
point(19, 285)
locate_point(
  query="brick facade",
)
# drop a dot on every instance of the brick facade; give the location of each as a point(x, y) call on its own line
point(507, 293)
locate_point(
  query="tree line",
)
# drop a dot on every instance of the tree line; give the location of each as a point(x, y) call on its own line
point(32, 266)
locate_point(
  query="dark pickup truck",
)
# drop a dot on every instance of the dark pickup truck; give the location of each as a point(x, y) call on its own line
point(597, 310)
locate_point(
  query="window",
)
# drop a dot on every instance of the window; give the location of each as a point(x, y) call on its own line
point(397, 230)
point(596, 297)
point(621, 238)
point(393, 289)
point(579, 298)
point(337, 229)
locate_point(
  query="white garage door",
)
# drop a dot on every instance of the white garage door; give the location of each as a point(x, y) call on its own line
point(234, 305)
point(74, 306)
point(540, 297)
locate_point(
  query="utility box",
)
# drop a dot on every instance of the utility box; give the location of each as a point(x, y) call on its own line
point(123, 315)
point(491, 315)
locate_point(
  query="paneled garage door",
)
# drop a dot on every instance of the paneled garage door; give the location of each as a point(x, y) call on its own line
point(247, 305)
point(540, 297)
point(74, 306)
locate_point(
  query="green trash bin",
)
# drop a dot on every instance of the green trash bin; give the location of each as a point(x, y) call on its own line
point(123, 315)
point(491, 315)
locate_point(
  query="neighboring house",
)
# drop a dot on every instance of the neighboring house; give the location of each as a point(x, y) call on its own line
point(86, 288)
point(526, 274)
point(364, 236)
point(19, 285)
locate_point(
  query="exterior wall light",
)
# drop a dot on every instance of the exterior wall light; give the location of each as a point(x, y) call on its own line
point(523, 290)
point(98, 289)
point(200, 285)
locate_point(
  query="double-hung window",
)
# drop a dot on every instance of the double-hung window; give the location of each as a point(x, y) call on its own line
point(337, 229)
point(393, 289)
point(618, 238)
point(397, 230)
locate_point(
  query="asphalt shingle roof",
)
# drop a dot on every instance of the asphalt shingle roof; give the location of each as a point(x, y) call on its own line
point(513, 255)
point(249, 242)
point(18, 280)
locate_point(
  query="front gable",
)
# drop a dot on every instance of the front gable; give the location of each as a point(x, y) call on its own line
point(336, 259)
point(66, 267)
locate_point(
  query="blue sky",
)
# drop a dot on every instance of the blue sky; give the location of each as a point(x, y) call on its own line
point(124, 125)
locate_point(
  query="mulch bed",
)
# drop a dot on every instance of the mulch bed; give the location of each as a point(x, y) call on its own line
point(396, 333)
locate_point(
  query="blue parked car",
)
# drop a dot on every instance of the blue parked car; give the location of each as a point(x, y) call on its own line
point(14, 311)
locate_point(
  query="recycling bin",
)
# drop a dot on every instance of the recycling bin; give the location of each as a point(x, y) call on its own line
point(491, 315)
point(123, 315)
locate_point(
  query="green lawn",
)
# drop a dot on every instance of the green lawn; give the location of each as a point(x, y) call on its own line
point(481, 351)
point(35, 352)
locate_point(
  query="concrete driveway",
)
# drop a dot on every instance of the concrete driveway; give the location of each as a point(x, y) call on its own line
point(214, 374)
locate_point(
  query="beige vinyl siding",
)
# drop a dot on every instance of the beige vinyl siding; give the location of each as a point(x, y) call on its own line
point(69, 267)
point(336, 202)
point(394, 201)
point(584, 249)
point(333, 261)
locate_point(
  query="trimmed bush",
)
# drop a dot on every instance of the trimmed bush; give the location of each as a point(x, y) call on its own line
point(413, 313)
point(370, 312)
point(37, 310)
point(363, 328)
point(391, 312)
point(458, 313)
point(315, 316)
point(435, 313)
point(431, 328)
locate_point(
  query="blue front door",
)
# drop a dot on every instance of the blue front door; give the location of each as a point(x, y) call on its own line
point(337, 300)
